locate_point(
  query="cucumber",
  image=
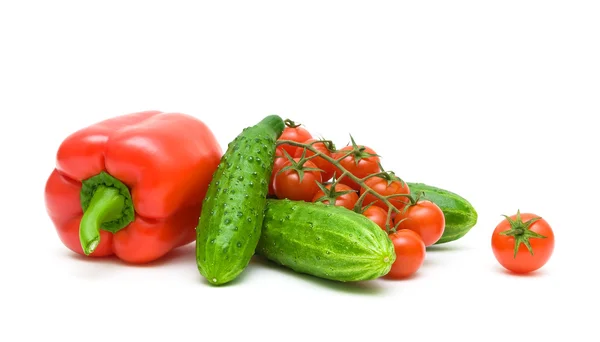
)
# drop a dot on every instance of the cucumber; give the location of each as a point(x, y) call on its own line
point(324, 241)
point(459, 213)
point(232, 210)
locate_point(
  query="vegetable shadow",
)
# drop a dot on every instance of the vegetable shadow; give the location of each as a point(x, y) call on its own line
point(535, 274)
point(179, 256)
point(409, 278)
point(445, 248)
point(371, 288)
point(431, 262)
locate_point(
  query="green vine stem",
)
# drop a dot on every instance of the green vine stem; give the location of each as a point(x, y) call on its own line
point(359, 181)
point(291, 124)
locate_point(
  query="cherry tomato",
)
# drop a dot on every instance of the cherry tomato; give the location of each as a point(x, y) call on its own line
point(298, 134)
point(410, 254)
point(327, 167)
point(347, 200)
point(278, 162)
point(424, 218)
point(361, 163)
point(288, 184)
point(377, 215)
point(385, 188)
point(511, 237)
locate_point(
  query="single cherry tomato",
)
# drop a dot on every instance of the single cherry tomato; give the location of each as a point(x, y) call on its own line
point(293, 132)
point(424, 218)
point(299, 183)
point(377, 215)
point(327, 167)
point(523, 243)
point(410, 254)
point(343, 195)
point(278, 162)
point(363, 161)
point(386, 187)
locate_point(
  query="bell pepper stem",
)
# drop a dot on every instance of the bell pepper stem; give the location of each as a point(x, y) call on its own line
point(106, 205)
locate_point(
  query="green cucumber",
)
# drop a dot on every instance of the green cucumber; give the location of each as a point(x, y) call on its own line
point(232, 211)
point(324, 241)
point(459, 214)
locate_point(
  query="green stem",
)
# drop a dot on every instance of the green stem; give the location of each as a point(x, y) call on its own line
point(290, 123)
point(389, 220)
point(106, 204)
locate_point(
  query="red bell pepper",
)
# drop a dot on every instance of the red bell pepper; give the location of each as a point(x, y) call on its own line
point(132, 185)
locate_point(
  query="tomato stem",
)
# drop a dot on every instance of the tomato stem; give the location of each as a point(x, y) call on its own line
point(389, 220)
point(358, 206)
point(344, 156)
point(291, 124)
point(521, 232)
point(298, 166)
point(331, 195)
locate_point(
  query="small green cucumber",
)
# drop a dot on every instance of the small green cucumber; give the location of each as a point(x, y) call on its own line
point(232, 211)
point(459, 213)
point(324, 241)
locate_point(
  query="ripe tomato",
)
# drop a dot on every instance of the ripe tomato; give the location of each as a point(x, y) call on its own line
point(278, 162)
point(327, 167)
point(289, 185)
point(410, 254)
point(377, 215)
point(385, 188)
point(523, 243)
point(296, 133)
point(424, 218)
point(344, 196)
point(361, 163)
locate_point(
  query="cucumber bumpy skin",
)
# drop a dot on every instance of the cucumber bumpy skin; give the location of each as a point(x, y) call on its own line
point(459, 214)
point(232, 211)
point(325, 241)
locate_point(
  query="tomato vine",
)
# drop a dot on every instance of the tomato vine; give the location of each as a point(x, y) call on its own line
point(390, 228)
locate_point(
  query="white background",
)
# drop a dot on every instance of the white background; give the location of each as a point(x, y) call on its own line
point(493, 100)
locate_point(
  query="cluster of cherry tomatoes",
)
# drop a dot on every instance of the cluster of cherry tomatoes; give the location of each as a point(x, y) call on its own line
point(303, 175)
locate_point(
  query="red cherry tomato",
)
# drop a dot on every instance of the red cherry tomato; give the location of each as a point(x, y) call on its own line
point(288, 184)
point(327, 167)
point(410, 254)
point(361, 163)
point(510, 238)
point(377, 215)
point(385, 188)
point(297, 134)
point(425, 218)
point(347, 200)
